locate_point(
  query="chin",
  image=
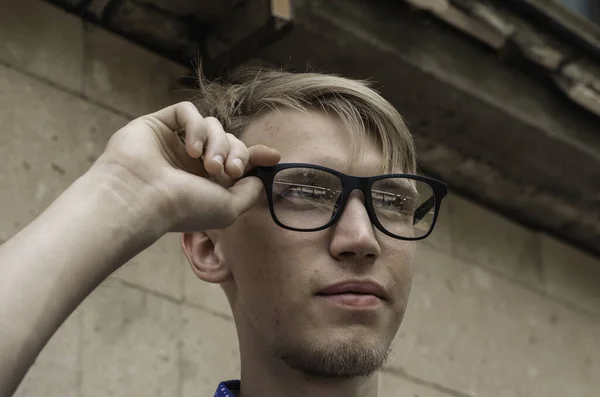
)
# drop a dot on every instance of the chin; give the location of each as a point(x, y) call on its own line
point(351, 353)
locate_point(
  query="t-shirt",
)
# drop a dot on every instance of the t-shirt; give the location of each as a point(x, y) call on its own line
point(229, 388)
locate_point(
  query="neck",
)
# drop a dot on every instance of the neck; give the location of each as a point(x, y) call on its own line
point(262, 375)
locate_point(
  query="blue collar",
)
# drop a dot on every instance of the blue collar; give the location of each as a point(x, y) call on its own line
point(226, 388)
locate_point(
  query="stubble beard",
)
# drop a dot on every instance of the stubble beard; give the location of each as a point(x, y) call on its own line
point(340, 360)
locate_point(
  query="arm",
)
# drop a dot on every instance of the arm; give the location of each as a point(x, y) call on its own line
point(48, 268)
point(145, 184)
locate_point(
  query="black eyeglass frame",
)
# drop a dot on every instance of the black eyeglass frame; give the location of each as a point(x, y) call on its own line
point(349, 184)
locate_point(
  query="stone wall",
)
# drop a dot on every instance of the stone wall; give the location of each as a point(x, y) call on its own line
point(497, 310)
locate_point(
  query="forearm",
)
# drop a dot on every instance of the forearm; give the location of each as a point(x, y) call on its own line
point(48, 268)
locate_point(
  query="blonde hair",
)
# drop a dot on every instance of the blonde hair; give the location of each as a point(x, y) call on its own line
point(251, 92)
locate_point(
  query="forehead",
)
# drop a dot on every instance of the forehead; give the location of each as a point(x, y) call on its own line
point(316, 138)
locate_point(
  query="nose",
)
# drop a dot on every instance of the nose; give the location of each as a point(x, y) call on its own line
point(353, 234)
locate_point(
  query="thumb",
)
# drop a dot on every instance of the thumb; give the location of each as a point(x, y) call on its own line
point(245, 193)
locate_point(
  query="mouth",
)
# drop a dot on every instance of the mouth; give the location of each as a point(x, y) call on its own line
point(354, 293)
point(354, 300)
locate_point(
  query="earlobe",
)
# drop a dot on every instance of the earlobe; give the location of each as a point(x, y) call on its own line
point(200, 251)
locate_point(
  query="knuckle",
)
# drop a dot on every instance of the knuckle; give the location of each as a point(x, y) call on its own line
point(213, 121)
point(187, 104)
point(214, 128)
point(232, 137)
point(238, 146)
point(244, 155)
point(187, 108)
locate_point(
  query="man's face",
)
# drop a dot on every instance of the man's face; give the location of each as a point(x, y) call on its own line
point(274, 273)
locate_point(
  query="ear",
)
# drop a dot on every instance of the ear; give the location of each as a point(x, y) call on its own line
point(207, 263)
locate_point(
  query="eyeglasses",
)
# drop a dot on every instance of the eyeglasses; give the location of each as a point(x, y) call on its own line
point(308, 198)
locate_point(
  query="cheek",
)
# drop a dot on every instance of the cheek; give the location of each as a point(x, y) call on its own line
point(267, 262)
point(271, 269)
point(401, 267)
point(249, 253)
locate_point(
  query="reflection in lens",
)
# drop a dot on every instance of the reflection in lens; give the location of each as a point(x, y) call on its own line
point(405, 207)
point(305, 198)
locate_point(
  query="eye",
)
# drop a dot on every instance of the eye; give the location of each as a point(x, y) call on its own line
point(307, 191)
point(393, 202)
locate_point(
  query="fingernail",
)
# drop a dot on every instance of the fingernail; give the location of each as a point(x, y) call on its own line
point(219, 159)
point(238, 163)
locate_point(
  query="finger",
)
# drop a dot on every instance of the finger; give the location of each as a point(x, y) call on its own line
point(261, 155)
point(238, 157)
point(195, 138)
point(245, 193)
point(216, 146)
point(179, 153)
point(258, 155)
point(176, 117)
point(183, 116)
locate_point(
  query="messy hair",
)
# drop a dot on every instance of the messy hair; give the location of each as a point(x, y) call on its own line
point(235, 102)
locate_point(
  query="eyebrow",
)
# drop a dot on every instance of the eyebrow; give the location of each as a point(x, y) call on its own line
point(393, 186)
point(399, 184)
point(311, 175)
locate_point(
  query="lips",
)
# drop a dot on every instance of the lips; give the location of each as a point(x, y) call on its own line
point(355, 287)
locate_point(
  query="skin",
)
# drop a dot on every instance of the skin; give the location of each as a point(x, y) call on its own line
point(292, 342)
point(148, 183)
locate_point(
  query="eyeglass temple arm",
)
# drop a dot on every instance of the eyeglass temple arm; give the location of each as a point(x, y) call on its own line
point(423, 210)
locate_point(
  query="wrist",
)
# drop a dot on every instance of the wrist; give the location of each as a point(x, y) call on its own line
point(136, 202)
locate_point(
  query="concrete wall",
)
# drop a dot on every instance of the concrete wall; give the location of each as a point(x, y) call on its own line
point(497, 310)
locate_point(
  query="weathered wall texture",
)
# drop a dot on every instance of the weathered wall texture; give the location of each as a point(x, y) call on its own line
point(497, 310)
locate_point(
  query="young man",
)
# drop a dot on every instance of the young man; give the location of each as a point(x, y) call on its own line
point(311, 237)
